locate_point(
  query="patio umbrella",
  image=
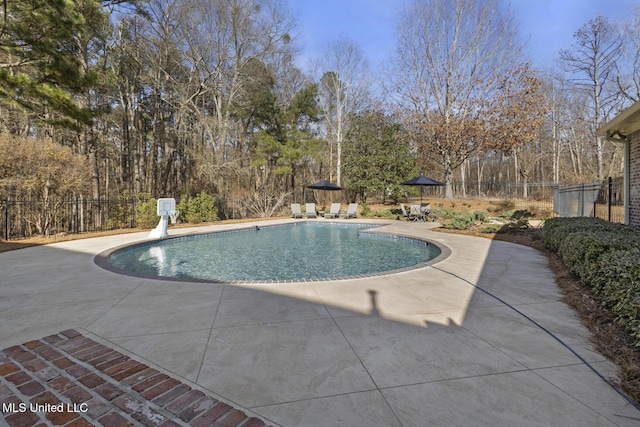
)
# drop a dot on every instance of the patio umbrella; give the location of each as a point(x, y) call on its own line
point(422, 181)
point(324, 185)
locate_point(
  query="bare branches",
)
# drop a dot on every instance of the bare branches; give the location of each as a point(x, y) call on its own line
point(517, 111)
point(628, 68)
point(343, 90)
point(591, 63)
point(449, 54)
point(447, 49)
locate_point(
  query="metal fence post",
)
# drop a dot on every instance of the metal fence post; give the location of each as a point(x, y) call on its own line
point(6, 220)
point(74, 224)
point(609, 197)
point(582, 199)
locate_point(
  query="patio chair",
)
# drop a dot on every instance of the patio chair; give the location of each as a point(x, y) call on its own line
point(310, 210)
point(434, 214)
point(296, 212)
point(351, 211)
point(334, 212)
point(425, 209)
point(415, 213)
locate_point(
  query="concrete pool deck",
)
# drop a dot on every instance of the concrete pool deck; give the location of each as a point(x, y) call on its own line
point(480, 338)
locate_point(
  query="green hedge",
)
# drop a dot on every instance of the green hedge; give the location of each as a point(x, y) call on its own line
point(604, 255)
point(462, 220)
point(146, 211)
point(201, 208)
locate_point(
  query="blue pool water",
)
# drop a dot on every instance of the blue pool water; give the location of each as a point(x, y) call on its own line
point(305, 250)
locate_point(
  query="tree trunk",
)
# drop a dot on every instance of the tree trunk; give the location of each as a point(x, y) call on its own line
point(448, 178)
point(463, 181)
point(480, 173)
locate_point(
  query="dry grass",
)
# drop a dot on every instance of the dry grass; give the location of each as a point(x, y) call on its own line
point(609, 338)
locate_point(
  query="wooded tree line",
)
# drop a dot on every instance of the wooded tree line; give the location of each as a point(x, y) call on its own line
point(175, 97)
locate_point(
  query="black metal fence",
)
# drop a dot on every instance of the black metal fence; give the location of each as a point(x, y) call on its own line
point(24, 218)
point(610, 202)
point(539, 190)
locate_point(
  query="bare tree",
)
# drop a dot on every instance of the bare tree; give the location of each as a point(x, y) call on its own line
point(555, 134)
point(226, 38)
point(628, 67)
point(517, 113)
point(343, 90)
point(129, 73)
point(591, 62)
point(187, 72)
point(448, 55)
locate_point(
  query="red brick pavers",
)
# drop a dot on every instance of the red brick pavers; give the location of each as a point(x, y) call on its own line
point(70, 380)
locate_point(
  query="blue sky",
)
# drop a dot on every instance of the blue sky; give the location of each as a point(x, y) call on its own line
point(548, 25)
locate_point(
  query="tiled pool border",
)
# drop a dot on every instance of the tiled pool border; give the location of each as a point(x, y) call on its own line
point(102, 259)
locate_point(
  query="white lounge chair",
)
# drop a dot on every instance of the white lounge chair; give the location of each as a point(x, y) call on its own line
point(425, 208)
point(310, 210)
point(351, 211)
point(334, 212)
point(405, 214)
point(296, 212)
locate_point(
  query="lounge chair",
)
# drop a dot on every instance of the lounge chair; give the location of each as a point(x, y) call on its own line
point(296, 212)
point(405, 214)
point(425, 209)
point(310, 210)
point(334, 212)
point(351, 211)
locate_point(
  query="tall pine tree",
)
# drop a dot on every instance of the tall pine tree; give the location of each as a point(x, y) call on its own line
point(40, 69)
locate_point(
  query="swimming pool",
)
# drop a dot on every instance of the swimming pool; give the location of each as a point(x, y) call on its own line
point(291, 252)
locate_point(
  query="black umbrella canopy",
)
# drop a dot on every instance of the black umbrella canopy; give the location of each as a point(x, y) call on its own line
point(324, 185)
point(422, 180)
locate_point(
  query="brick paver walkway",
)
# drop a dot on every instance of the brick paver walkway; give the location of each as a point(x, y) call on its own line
point(71, 380)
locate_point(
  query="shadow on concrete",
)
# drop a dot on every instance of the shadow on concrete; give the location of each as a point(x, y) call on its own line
point(485, 327)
